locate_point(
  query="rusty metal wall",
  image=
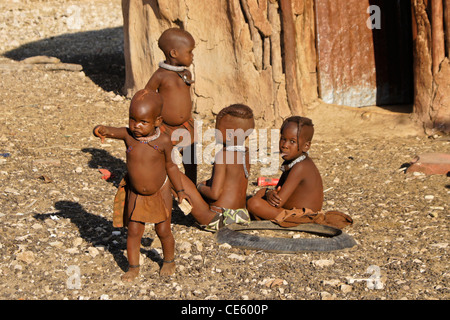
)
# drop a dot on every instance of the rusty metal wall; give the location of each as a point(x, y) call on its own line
point(358, 63)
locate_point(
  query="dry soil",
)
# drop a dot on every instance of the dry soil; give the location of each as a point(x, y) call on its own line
point(57, 239)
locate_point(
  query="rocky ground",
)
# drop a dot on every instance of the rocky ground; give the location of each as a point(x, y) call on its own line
point(57, 240)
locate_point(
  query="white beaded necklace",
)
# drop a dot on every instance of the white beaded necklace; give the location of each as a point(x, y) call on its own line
point(290, 165)
point(170, 67)
point(239, 149)
point(178, 70)
point(150, 138)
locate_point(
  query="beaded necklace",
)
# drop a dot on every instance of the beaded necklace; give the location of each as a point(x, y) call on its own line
point(170, 67)
point(178, 70)
point(150, 138)
point(287, 167)
point(239, 149)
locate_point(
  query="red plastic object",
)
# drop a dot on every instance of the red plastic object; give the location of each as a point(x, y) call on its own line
point(263, 181)
point(106, 174)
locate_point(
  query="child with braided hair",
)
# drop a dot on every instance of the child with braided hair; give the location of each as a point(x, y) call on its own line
point(300, 184)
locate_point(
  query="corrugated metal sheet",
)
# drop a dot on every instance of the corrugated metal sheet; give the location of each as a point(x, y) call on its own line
point(359, 65)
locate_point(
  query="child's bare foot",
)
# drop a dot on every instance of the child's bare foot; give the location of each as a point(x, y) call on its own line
point(168, 268)
point(131, 274)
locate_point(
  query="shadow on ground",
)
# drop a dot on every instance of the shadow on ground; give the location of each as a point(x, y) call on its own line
point(100, 52)
point(98, 231)
point(102, 159)
point(92, 228)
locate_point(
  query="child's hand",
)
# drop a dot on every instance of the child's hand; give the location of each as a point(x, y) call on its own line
point(272, 197)
point(183, 195)
point(100, 131)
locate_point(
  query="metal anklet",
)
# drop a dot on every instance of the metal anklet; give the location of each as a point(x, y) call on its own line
point(168, 261)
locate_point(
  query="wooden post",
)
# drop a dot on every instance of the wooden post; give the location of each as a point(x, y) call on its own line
point(290, 58)
point(447, 26)
point(437, 34)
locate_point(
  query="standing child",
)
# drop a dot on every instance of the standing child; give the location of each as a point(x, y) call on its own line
point(173, 80)
point(300, 185)
point(221, 200)
point(145, 190)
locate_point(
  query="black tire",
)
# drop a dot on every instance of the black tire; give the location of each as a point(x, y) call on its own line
point(333, 238)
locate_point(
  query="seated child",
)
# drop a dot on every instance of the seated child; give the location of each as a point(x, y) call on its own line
point(300, 185)
point(221, 200)
point(145, 190)
point(173, 80)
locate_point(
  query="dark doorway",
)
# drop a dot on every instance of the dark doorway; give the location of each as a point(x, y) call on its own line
point(394, 53)
point(365, 54)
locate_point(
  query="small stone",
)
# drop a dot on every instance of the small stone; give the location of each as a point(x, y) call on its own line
point(185, 246)
point(56, 244)
point(11, 190)
point(334, 282)
point(26, 256)
point(327, 296)
point(270, 283)
point(441, 245)
point(225, 246)
point(323, 263)
point(199, 246)
point(78, 241)
point(36, 226)
point(197, 257)
point(78, 169)
point(345, 288)
point(93, 252)
point(236, 257)
point(54, 192)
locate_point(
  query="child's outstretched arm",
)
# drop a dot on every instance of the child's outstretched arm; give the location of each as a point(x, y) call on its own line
point(109, 132)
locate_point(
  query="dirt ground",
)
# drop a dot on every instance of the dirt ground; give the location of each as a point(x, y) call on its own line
point(57, 239)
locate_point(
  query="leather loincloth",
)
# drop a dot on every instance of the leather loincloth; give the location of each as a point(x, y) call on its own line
point(131, 206)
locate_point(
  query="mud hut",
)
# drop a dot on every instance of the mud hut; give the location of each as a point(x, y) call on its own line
point(281, 56)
